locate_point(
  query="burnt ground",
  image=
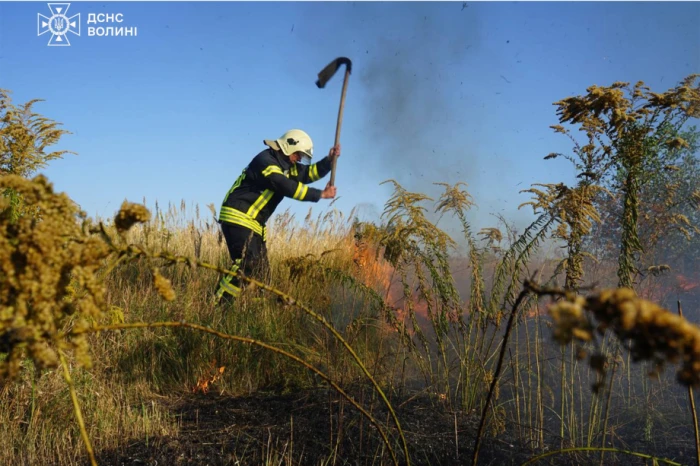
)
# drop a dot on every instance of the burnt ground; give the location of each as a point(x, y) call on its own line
point(220, 430)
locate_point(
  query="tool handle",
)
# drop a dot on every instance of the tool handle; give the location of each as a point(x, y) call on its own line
point(340, 122)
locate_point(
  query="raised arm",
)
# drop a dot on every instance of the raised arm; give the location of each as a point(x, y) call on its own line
point(316, 171)
point(313, 172)
point(288, 187)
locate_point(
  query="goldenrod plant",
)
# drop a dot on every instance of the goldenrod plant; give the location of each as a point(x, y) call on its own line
point(24, 138)
point(386, 306)
point(627, 127)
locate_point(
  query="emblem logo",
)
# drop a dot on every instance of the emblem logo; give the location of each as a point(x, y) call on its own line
point(59, 24)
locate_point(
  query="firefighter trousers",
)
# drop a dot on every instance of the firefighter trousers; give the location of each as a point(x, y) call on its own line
point(248, 252)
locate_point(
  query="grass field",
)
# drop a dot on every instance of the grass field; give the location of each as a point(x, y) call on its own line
point(437, 355)
point(570, 341)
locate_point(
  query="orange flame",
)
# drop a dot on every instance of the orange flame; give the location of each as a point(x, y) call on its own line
point(373, 271)
point(203, 383)
point(377, 273)
point(686, 284)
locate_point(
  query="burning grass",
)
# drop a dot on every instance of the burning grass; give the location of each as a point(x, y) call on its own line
point(108, 319)
point(151, 363)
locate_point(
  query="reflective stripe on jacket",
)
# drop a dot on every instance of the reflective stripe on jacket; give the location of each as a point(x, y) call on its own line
point(263, 184)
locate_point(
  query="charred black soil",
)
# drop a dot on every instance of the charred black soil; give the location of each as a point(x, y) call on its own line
point(295, 428)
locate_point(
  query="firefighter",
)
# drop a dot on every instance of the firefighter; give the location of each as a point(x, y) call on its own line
point(282, 170)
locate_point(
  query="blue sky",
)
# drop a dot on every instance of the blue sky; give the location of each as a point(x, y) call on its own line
point(439, 92)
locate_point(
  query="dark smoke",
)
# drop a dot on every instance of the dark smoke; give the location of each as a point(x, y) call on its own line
point(415, 101)
point(411, 109)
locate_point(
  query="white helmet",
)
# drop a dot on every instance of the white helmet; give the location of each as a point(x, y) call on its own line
point(292, 141)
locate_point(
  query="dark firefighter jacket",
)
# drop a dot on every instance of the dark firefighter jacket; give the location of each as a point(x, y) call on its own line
point(263, 184)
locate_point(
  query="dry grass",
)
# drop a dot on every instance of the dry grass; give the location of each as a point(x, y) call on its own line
point(106, 318)
point(318, 261)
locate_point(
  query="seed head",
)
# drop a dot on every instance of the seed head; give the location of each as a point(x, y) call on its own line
point(163, 286)
point(130, 214)
point(48, 264)
point(651, 332)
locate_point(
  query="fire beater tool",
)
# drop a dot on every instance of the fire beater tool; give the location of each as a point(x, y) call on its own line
point(323, 77)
